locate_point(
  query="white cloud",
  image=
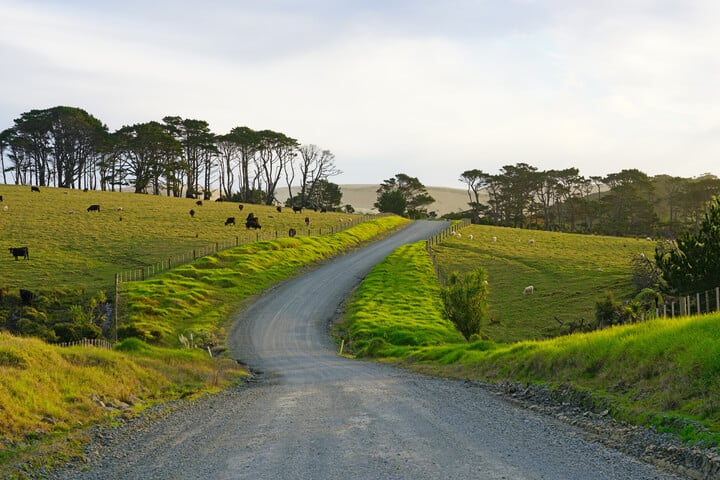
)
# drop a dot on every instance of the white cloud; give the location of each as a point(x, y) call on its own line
point(396, 86)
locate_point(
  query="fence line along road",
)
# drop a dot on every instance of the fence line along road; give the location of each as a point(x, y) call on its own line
point(139, 274)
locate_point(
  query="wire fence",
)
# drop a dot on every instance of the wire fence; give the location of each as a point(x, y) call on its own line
point(147, 271)
point(696, 304)
point(438, 238)
point(88, 342)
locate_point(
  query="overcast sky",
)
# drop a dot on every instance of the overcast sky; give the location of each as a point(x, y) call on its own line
point(425, 88)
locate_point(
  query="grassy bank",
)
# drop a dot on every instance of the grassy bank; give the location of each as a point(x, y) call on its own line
point(661, 372)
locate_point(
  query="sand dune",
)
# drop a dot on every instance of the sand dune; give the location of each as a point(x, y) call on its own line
point(447, 200)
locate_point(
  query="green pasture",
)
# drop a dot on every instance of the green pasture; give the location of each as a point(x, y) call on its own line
point(73, 248)
point(568, 273)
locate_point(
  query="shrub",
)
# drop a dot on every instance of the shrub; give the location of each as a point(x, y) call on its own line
point(465, 301)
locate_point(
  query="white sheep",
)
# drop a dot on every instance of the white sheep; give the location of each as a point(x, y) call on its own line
point(470, 237)
point(494, 239)
point(458, 235)
point(531, 241)
point(529, 290)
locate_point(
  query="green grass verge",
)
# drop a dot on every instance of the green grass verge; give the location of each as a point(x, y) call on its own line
point(664, 372)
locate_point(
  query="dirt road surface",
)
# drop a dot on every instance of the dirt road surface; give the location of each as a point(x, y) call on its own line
point(315, 415)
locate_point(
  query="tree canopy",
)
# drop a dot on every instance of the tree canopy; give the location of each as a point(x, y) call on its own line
point(693, 265)
point(403, 195)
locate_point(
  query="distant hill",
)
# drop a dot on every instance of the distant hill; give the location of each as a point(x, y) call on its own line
point(363, 196)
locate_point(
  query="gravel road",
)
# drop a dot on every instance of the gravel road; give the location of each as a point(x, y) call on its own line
point(311, 414)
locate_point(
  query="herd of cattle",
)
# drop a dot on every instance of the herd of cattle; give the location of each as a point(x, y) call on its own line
point(251, 221)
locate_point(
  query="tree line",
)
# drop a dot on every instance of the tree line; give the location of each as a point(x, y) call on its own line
point(625, 203)
point(70, 148)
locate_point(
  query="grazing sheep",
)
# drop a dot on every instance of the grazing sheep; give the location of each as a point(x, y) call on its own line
point(494, 239)
point(119, 209)
point(531, 241)
point(71, 212)
point(529, 290)
point(648, 239)
point(470, 237)
point(5, 208)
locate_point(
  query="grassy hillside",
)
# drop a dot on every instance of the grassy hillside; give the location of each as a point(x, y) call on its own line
point(663, 372)
point(73, 248)
point(568, 273)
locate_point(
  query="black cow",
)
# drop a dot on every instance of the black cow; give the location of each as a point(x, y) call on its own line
point(93, 208)
point(307, 221)
point(199, 203)
point(20, 252)
point(252, 222)
point(26, 296)
point(278, 208)
point(34, 189)
point(297, 209)
point(241, 206)
point(1, 198)
point(192, 212)
point(230, 221)
point(292, 233)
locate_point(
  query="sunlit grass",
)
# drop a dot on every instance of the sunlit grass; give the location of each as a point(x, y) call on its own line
point(568, 273)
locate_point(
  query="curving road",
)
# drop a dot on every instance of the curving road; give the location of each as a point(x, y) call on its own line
point(315, 415)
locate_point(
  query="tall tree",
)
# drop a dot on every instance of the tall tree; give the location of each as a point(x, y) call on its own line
point(314, 165)
point(393, 192)
point(628, 206)
point(147, 150)
point(476, 181)
point(276, 150)
point(198, 147)
point(694, 264)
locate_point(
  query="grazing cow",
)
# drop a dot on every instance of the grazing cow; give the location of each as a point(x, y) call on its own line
point(20, 252)
point(26, 296)
point(297, 209)
point(529, 290)
point(1, 199)
point(230, 221)
point(34, 189)
point(292, 233)
point(199, 203)
point(241, 206)
point(252, 222)
point(192, 212)
point(93, 208)
point(219, 199)
point(307, 221)
point(279, 209)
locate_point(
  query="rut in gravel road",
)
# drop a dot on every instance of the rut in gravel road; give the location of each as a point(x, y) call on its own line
point(315, 415)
